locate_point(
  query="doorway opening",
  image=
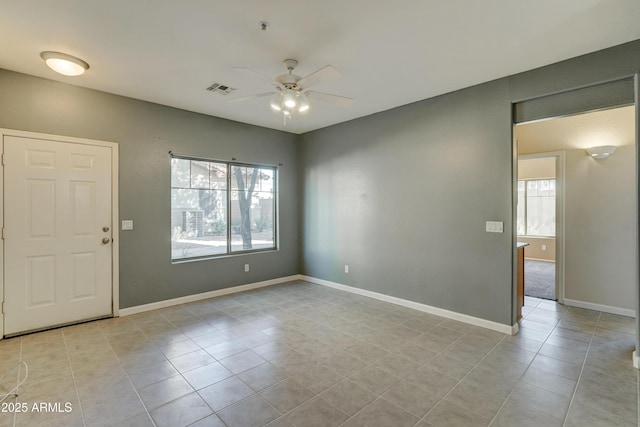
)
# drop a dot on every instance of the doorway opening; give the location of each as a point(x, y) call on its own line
point(595, 212)
point(60, 244)
point(537, 209)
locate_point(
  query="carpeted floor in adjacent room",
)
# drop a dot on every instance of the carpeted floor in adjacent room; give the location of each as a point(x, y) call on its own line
point(540, 279)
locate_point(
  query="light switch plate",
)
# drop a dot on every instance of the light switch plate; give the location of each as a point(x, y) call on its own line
point(127, 224)
point(494, 227)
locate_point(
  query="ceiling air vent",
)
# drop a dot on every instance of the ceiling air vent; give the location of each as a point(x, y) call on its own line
point(221, 89)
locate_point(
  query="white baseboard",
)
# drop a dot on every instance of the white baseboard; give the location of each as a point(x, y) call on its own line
point(476, 321)
point(205, 295)
point(600, 307)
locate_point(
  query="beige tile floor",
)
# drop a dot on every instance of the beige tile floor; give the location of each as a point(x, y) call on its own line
point(305, 355)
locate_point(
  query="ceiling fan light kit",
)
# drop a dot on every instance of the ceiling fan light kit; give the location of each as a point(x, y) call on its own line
point(292, 94)
point(289, 98)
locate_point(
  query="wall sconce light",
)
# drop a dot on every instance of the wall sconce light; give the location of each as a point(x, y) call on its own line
point(64, 64)
point(601, 152)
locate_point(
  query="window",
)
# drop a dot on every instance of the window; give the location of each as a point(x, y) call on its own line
point(536, 213)
point(221, 208)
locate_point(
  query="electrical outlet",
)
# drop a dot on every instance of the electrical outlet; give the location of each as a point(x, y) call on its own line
point(346, 268)
point(246, 268)
point(127, 224)
point(544, 247)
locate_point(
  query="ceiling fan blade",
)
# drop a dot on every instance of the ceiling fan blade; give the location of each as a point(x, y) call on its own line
point(253, 73)
point(245, 98)
point(323, 74)
point(327, 97)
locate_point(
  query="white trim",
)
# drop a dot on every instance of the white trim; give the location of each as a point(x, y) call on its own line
point(57, 138)
point(476, 321)
point(205, 295)
point(115, 247)
point(600, 307)
point(636, 360)
point(115, 233)
point(540, 259)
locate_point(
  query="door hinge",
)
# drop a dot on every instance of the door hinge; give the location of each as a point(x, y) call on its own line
point(2, 307)
point(2, 233)
point(2, 158)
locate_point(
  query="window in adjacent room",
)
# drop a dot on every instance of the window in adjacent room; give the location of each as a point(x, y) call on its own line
point(536, 215)
point(220, 208)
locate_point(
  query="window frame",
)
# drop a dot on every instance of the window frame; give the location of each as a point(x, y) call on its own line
point(230, 252)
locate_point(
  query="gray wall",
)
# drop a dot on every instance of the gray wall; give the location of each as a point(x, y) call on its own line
point(601, 234)
point(402, 196)
point(145, 133)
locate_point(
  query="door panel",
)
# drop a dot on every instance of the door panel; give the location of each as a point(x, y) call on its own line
point(83, 200)
point(40, 281)
point(41, 197)
point(83, 268)
point(57, 201)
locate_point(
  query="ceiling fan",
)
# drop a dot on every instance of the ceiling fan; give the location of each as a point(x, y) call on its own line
point(292, 91)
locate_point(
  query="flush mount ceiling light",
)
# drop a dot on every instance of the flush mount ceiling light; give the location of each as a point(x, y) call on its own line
point(601, 152)
point(64, 64)
point(293, 92)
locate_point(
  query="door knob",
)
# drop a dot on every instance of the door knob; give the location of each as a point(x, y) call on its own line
point(105, 228)
point(105, 240)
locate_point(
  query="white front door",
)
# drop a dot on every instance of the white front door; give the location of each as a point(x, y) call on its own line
point(57, 233)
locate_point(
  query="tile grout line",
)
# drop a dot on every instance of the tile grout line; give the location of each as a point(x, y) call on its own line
point(289, 376)
point(584, 363)
point(181, 374)
point(15, 413)
point(73, 376)
point(126, 373)
point(424, 418)
point(528, 365)
point(439, 324)
point(347, 378)
point(380, 396)
point(555, 327)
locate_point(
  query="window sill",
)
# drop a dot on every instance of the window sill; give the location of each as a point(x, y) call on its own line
point(224, 256)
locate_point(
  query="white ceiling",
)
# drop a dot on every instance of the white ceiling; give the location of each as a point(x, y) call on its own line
point(390, 53)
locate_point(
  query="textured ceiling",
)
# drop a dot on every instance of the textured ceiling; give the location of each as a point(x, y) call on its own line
point(389, 53)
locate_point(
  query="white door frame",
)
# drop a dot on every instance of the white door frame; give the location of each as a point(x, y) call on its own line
point(560, 195)
point(115, 247)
